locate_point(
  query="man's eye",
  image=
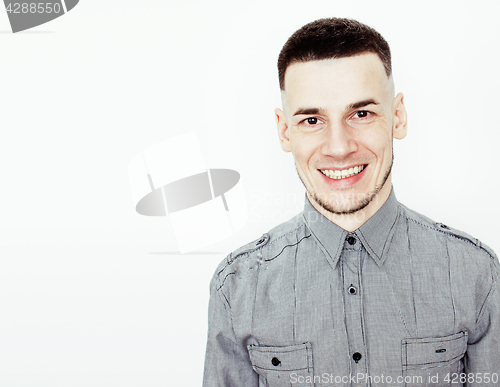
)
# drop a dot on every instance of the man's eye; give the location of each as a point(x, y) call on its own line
point(312, 120)
point(361, 114)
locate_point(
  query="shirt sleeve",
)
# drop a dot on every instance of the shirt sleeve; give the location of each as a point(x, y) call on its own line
point(482, 359)
point(227, 363)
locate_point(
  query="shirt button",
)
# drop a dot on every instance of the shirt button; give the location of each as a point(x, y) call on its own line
point(356, 356)
point(351, 240)
point(276, 362)
point(351, 289)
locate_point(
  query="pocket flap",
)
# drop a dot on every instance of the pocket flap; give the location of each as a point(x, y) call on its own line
point(434, 350)
point(289, 358)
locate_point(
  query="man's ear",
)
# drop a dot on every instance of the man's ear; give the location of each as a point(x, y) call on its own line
point(400, 118)
point(283, 131)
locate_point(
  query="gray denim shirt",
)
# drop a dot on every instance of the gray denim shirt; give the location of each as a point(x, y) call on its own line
point(402, 301)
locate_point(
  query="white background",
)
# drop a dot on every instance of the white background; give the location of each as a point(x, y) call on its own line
point(93, 294)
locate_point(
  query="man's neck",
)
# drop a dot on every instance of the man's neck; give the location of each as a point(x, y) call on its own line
point(351, 222)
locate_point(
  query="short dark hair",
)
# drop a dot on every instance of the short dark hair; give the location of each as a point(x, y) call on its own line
point(332, 38)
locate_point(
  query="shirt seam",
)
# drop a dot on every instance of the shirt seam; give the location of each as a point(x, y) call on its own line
point(227, 307)
point(222, 282)
point(491, 291)
point(468, 241)
point(450, 279)
point(295, 292)
point(283, 249)
point(243, 253)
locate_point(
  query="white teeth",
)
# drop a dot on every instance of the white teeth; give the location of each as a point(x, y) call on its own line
point(342, 174)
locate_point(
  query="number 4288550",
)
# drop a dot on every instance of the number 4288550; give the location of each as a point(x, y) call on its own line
point(471, 378)
point(34, 8)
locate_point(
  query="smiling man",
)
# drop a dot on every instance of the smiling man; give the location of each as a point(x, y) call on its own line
point(339, 119)
point(357, 290)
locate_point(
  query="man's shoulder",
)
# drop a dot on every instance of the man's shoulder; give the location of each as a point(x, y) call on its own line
point(250, 254)
point(453, 235)
point(275, 237)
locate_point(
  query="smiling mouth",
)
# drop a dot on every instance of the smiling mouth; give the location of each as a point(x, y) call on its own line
point(342, 174)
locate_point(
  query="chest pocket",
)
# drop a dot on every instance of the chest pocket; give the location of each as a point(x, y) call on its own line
point(283, 366)
point(433, 360)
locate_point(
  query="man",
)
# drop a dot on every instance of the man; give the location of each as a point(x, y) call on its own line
point(357, 290)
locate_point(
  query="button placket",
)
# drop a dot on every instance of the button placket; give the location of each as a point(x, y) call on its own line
point(351, 266)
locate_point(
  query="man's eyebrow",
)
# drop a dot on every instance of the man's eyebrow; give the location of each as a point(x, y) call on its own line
point(355, 105)
point(309, 111)
point(361, 104)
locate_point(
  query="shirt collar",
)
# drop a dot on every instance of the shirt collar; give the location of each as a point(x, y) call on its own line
point(375, 234)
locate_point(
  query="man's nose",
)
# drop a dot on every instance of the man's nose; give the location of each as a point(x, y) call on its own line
point(339, 140)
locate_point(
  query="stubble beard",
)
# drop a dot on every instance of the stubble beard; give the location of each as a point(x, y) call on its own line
point(361, 203)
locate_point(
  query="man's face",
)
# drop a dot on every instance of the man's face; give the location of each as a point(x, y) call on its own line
point(339, 119)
